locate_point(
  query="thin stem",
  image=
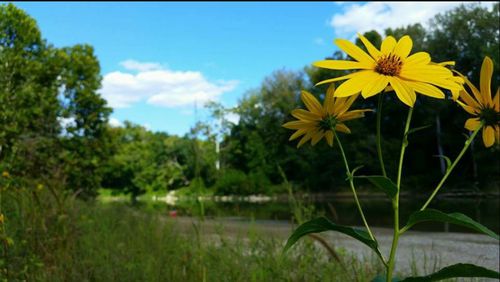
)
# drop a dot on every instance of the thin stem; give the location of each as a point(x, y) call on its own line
point(395, 201)
point(351, 183)
point(449, 170)
point(379, 145)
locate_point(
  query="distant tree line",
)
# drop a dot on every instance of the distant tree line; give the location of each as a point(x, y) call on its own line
point(54, 125)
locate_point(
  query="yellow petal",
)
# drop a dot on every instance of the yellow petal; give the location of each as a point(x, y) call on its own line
point(404, 93)
point(473, 88)
point(335, 79)
point(426, 89)
point(305, 115)
point(340, 127)
point(403, 47)
point(468, 109)
point(447, 63)
point(329, 99)
point(356, 83)
point(298, 124)
point(317, 136)
point(433, 71)
point(488, 136)
point(329, 137)
point(375, 87)
point(350, 115)
point(343, 65)
point(468, 99)
point(298, 133)
point(354, 51)
point(472, 124)
point(374, 52)
point(485, 80)
point(420, 58)
point(306, 138)
point(388, 45)
point(343, 104)
point(311, 103)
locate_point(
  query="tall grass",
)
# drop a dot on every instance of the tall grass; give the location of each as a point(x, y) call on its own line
point(69, 240)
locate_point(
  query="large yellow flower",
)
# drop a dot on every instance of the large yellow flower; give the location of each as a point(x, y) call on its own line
point(391, 65)
point(482, 106)
point(321, 121)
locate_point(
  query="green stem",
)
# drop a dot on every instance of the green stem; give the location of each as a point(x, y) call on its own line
point(379, 145)
point(449, 170)
point(351, 183)
point(395, 201)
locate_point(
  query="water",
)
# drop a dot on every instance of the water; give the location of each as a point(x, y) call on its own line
point(343, 211)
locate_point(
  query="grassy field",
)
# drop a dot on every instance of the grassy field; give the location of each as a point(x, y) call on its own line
point(76, 241)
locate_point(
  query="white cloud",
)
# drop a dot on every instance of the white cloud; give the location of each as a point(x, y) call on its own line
point(381, 15)
point(161, 87)
point(115, 122)
point(140, 66)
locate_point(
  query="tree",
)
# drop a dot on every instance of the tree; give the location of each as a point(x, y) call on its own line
point(52, 120)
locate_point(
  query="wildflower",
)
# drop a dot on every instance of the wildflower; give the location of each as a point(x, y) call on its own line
point(5, 174)
point(480, 105)
point(391, 65)
point(39, 187)
point(1, 218)
point(321, 121)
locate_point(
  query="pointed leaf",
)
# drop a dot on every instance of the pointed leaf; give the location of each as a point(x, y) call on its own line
point(413, 130)
point(323, 224)
point(448, 161)
point(382, 183)
point(454, 271)
point(453, 218)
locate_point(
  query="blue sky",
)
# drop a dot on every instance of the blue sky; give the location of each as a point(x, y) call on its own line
point(158, 58)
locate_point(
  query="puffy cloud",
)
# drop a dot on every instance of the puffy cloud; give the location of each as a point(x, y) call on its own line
point(115, 122)
point(381, 15)
point(161, 87)
point(138, 66)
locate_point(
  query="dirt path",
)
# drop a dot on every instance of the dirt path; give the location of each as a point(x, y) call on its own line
point(424, 251)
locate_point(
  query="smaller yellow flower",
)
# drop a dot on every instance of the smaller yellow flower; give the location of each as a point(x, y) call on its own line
point(480, 105)
point(5, 174)
point(321, 121)
point(39, 187)
point(2, 219)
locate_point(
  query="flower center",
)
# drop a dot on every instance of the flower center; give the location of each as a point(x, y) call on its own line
point(328, 123)
point(389, 65)
point(489, 116)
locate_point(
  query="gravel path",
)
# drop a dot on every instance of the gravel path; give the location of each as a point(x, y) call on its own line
point(424, 251)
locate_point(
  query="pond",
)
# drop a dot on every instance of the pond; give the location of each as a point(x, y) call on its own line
point(342, 210)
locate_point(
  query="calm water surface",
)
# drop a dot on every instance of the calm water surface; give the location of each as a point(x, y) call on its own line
point(378, 211)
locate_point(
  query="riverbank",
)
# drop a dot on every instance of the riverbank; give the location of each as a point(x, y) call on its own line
point(418, 252)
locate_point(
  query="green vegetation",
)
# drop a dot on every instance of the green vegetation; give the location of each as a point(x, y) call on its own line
point(57, 149)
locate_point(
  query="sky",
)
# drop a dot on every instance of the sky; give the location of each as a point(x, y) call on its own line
point(162, 61)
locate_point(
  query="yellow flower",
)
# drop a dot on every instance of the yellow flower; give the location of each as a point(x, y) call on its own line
point(5, 174)
point(2, 219)
point(391, 65)
point(482, 106)
point(319, 120)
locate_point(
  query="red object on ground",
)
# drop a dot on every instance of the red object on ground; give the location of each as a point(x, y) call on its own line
point(172, 213)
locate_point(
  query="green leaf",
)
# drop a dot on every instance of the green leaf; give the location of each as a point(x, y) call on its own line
point(413, 130)
point(448, 161)
point(323, 224)
point(382, 183)
point(453, 218)
point(456, 270)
